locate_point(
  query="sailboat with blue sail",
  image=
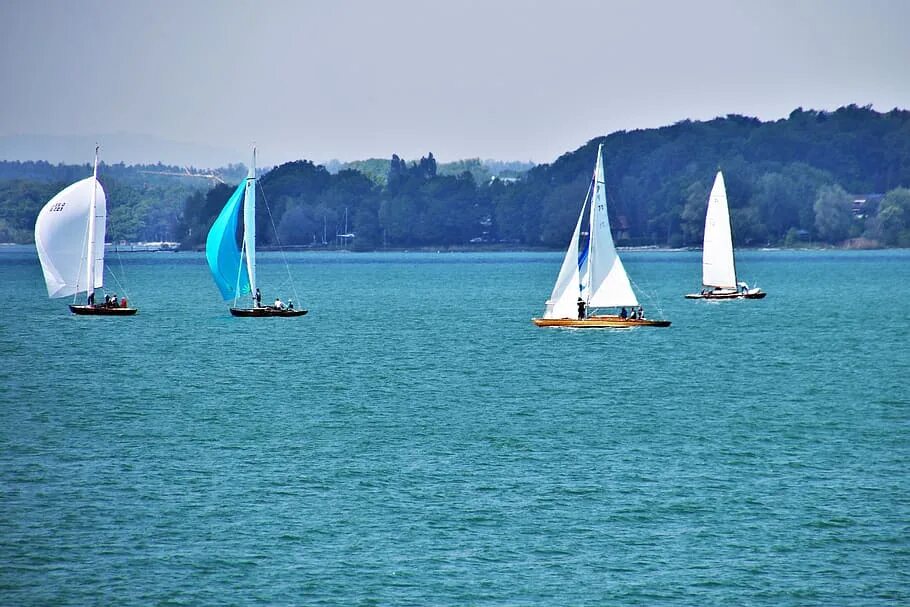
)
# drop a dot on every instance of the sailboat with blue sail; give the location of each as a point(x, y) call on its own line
point(593, 289)
point(230, 250)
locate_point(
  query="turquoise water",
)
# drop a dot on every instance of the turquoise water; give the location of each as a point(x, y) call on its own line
point(415, 440)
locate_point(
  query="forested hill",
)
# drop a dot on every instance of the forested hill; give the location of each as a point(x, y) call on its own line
point(822, 177)
point(145, 201)
point(789, 176)
point(792, 181)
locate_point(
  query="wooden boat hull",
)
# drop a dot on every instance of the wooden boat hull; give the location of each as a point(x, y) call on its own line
point(102, 311)
point(265, 312)
point(594, 322)
point(756, 295)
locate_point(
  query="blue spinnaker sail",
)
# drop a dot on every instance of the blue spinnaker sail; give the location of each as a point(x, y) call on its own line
point(223, 252)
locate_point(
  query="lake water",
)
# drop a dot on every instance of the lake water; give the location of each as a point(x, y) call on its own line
point(415, 440)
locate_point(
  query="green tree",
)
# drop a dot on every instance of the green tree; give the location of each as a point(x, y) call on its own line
point(894, 218)
point(693, 213)
point(833, 213)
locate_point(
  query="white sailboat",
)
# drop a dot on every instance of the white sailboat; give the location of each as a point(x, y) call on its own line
point(592, 276)
point(718, 266)
point(225, 255)
point(69, 236)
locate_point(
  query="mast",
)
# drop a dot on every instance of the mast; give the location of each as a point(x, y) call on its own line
point(732, 249)
point(249, 224)
point(90, 249)
point(592, 220)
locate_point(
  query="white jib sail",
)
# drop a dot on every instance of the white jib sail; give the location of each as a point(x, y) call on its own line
point(563, 302)
point(608, 284)
point(61, 237)
point(249, 224)
point(717, 257)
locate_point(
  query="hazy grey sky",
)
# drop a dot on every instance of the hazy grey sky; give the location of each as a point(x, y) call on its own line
point(513, 80)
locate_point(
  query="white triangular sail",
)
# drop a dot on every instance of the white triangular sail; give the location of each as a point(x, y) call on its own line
point(249, 224)
point(718, 269)
point(63, 241)
point(596, 275)
point(608, 284)
point(563, 300)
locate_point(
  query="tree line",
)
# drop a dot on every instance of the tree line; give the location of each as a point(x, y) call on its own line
point(788, 181)
point(815, 176)
point(145, 202)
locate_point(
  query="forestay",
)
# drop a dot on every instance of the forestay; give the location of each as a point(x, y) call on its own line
point(718, 269)
point(62, 239)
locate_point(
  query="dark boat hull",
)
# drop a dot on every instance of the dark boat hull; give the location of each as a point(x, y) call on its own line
point(265, 312)
point(101, 311)
point(758, 295)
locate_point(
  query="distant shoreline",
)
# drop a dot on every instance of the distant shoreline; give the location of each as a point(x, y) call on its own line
point(146, 248)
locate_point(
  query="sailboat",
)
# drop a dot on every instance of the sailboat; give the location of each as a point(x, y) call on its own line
point(69, 236)
point(718, 267)
point(227, 245)
point(592, 276)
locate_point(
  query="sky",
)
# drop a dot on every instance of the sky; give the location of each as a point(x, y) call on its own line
point(502, 79)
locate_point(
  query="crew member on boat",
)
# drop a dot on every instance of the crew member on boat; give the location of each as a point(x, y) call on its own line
point(279, 305)
point(581, 308)
point(258, 298)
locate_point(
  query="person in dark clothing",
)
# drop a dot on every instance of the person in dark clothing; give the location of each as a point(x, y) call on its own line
point(623, 314)
point(581, 308)
point(258, 298)
point(91, 298)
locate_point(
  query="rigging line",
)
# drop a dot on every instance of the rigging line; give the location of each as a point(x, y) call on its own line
point(122, 272)
point(651, 295)
point(278, 242)
point(120, 285)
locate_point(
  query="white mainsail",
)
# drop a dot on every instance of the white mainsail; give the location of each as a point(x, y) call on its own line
point(67, 251)
point(249, 224)
point(603, 283)
point(718, 269)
